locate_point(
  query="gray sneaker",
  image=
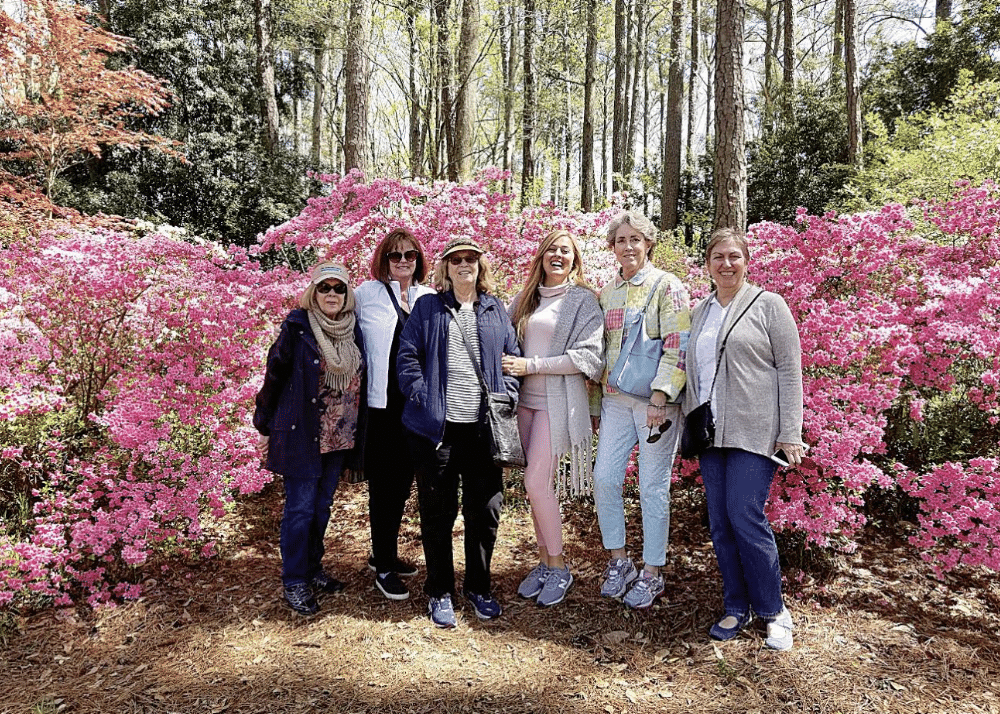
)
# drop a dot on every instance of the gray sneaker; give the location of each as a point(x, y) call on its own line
point(533, 582)
point(645, 591)
point(556, 586)
point(617, 576)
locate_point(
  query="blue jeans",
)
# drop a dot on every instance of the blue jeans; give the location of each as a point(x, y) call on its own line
point(623, 424)
point(303, 524)
point(737, 484)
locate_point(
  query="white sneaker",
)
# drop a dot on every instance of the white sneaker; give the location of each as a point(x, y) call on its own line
point(779, 632)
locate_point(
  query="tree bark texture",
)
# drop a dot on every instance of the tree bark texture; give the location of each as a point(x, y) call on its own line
point(319, 91)
point(465, 99)
point(853, 84)
point(675, 121)
point(730, 147)
point(415, 134)
point(445, 118)
point(837, 58)
point(528, 110)
point(788, 60)
point(265, 76)
point(356, 90)
point(619, 120)
point(590, 65)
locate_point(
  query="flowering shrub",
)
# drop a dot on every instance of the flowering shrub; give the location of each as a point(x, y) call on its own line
point(128, 367)
point(126, 376)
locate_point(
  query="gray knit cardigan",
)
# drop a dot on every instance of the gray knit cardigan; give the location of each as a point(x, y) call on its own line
point(758, 393)
point(579, 333)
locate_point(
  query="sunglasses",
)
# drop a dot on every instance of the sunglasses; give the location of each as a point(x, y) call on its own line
point(459, 259)
point(410, 256)
point(653, 438)
point(324, 288)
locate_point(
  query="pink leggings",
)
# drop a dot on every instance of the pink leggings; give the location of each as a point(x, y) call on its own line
point(538, 478)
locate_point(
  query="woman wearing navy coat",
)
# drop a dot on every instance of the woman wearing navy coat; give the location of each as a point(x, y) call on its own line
point(446, 433)
point(310, 417)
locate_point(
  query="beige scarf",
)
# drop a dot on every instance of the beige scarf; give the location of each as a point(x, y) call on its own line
point(335, 339)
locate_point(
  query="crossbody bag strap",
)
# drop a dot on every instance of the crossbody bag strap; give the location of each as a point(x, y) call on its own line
point(395, 303)
point(649, 299)
point(722, 349)
point(468, 348)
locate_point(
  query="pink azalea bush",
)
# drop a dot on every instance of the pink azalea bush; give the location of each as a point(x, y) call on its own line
point(128, 366)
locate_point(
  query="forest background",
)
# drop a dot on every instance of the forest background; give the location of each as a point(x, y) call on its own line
point(162, 194)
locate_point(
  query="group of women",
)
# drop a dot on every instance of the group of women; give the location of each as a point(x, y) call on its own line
point(392, 376)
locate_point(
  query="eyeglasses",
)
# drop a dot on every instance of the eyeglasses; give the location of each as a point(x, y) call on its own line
point(410, 256)
point(653, 438)
point(459, 259)
point(324, 288)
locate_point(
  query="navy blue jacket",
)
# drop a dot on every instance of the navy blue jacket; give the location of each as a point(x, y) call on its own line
point(423, 358)
point(288, 408)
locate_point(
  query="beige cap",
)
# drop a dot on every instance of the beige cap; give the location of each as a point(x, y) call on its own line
point(325, 271)
point(457, 244)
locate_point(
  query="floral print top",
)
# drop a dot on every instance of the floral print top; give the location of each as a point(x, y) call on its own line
point(338, 414)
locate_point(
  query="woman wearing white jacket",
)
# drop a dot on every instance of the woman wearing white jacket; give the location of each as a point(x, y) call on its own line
point(383, 304)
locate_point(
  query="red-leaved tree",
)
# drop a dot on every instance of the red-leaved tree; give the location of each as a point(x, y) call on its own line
point(61, 101)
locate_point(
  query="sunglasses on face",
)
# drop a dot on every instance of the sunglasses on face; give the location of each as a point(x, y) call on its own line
point(653, 438)
point(459, 259)
point(410, 256)
point(324, 288)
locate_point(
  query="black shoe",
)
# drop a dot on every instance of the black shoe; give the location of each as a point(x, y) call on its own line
point(400, 567)
point(391, 586)
point(326, 584)
point(301, 599)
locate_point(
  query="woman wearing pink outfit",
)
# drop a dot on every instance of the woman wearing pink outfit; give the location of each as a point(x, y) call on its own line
point(560, 328)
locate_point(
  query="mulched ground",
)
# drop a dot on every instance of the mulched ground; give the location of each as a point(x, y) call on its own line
point(874, 633)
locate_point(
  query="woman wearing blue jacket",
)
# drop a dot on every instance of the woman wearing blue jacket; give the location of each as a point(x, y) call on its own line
point(310, 417)
point(444, 417)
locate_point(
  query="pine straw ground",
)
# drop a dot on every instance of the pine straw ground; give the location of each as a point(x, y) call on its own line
point(874, 633)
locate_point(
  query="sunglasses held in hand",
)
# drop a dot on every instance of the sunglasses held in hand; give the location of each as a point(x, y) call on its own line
point(653, 438)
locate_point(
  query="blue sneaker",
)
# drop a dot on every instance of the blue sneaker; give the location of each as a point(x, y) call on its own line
point(619, 574)
point(533, 581)
point(441, 612)
point(646, 589)
point(556, 585)
point(729, 626)
point(485, 606)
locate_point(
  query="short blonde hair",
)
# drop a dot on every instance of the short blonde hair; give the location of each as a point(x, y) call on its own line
point(638, 221)
point(721, 234)
point(485, 282)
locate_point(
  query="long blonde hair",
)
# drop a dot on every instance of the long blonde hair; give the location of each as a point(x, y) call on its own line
point(530, 298)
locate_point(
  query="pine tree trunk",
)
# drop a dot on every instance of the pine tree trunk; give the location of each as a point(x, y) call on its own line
point(619, 121)
point(446, 117)
point(265, 76)
point(730, 148)
point(416, 134)
point(692, 76)
point(356, 89)
point(319, 91)
point(465, 100)
point(589, 80)
point(675, 109)
point(528, 113)
point(788, 62)
point(853, 85)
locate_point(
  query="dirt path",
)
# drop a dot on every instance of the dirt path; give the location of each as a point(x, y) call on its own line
point(874, 634)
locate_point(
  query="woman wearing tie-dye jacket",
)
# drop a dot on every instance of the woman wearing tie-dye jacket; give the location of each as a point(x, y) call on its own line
point(625, 420)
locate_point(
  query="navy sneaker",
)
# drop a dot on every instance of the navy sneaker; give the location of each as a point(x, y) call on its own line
point(485, 606)
point(300, 599)
point(400, 567)
point(441, 612)
point(391, 586)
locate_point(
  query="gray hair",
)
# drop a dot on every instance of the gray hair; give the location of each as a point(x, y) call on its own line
point(639, 222)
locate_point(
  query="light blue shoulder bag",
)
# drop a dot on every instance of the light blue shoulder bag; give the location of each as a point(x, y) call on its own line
point(639, 358)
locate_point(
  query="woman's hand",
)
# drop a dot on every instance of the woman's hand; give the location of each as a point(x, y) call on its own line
point(514, 366)
point(262, 445)
point(794, 452)
point(656, 414)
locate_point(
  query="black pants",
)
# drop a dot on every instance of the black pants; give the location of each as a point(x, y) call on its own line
point(463, 457)
point(389, 470)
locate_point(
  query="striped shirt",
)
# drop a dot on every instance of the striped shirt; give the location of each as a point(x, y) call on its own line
point(464, 394)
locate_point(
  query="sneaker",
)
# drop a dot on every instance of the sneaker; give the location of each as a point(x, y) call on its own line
point(300, 598)
point(324, 583)
point(485, 606)
point(617, 576)
point(441, 612)
point(729, 626)
point(556, 586)
point(400, 567)
point(391, 586)
point(645, 591)
point(779, 632)
point(533, 581)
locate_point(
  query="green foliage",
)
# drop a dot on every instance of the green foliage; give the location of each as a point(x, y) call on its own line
point(912, 77)
point(930, 150)
point(801, 161)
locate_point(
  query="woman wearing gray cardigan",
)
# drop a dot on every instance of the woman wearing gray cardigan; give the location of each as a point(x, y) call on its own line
point(756, 394)
point(560, 329)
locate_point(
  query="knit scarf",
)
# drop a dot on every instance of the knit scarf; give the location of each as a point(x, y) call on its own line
point(335, 339)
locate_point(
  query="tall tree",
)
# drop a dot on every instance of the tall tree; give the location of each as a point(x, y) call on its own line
point(319, 94)
point(415, 134)
point(689, 143)
point(465, 99)
point(675, 109)
point(853, 84)
point(356, 80)
point(788, 61)
point(265, 75)
point(589, 79)
point(730, 147)
point(619, 122)
point(528, 110)
point(508, 71)
point(62, 100)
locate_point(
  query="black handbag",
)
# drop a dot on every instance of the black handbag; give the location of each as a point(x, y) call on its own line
point(698, 433)
point(501, 416)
